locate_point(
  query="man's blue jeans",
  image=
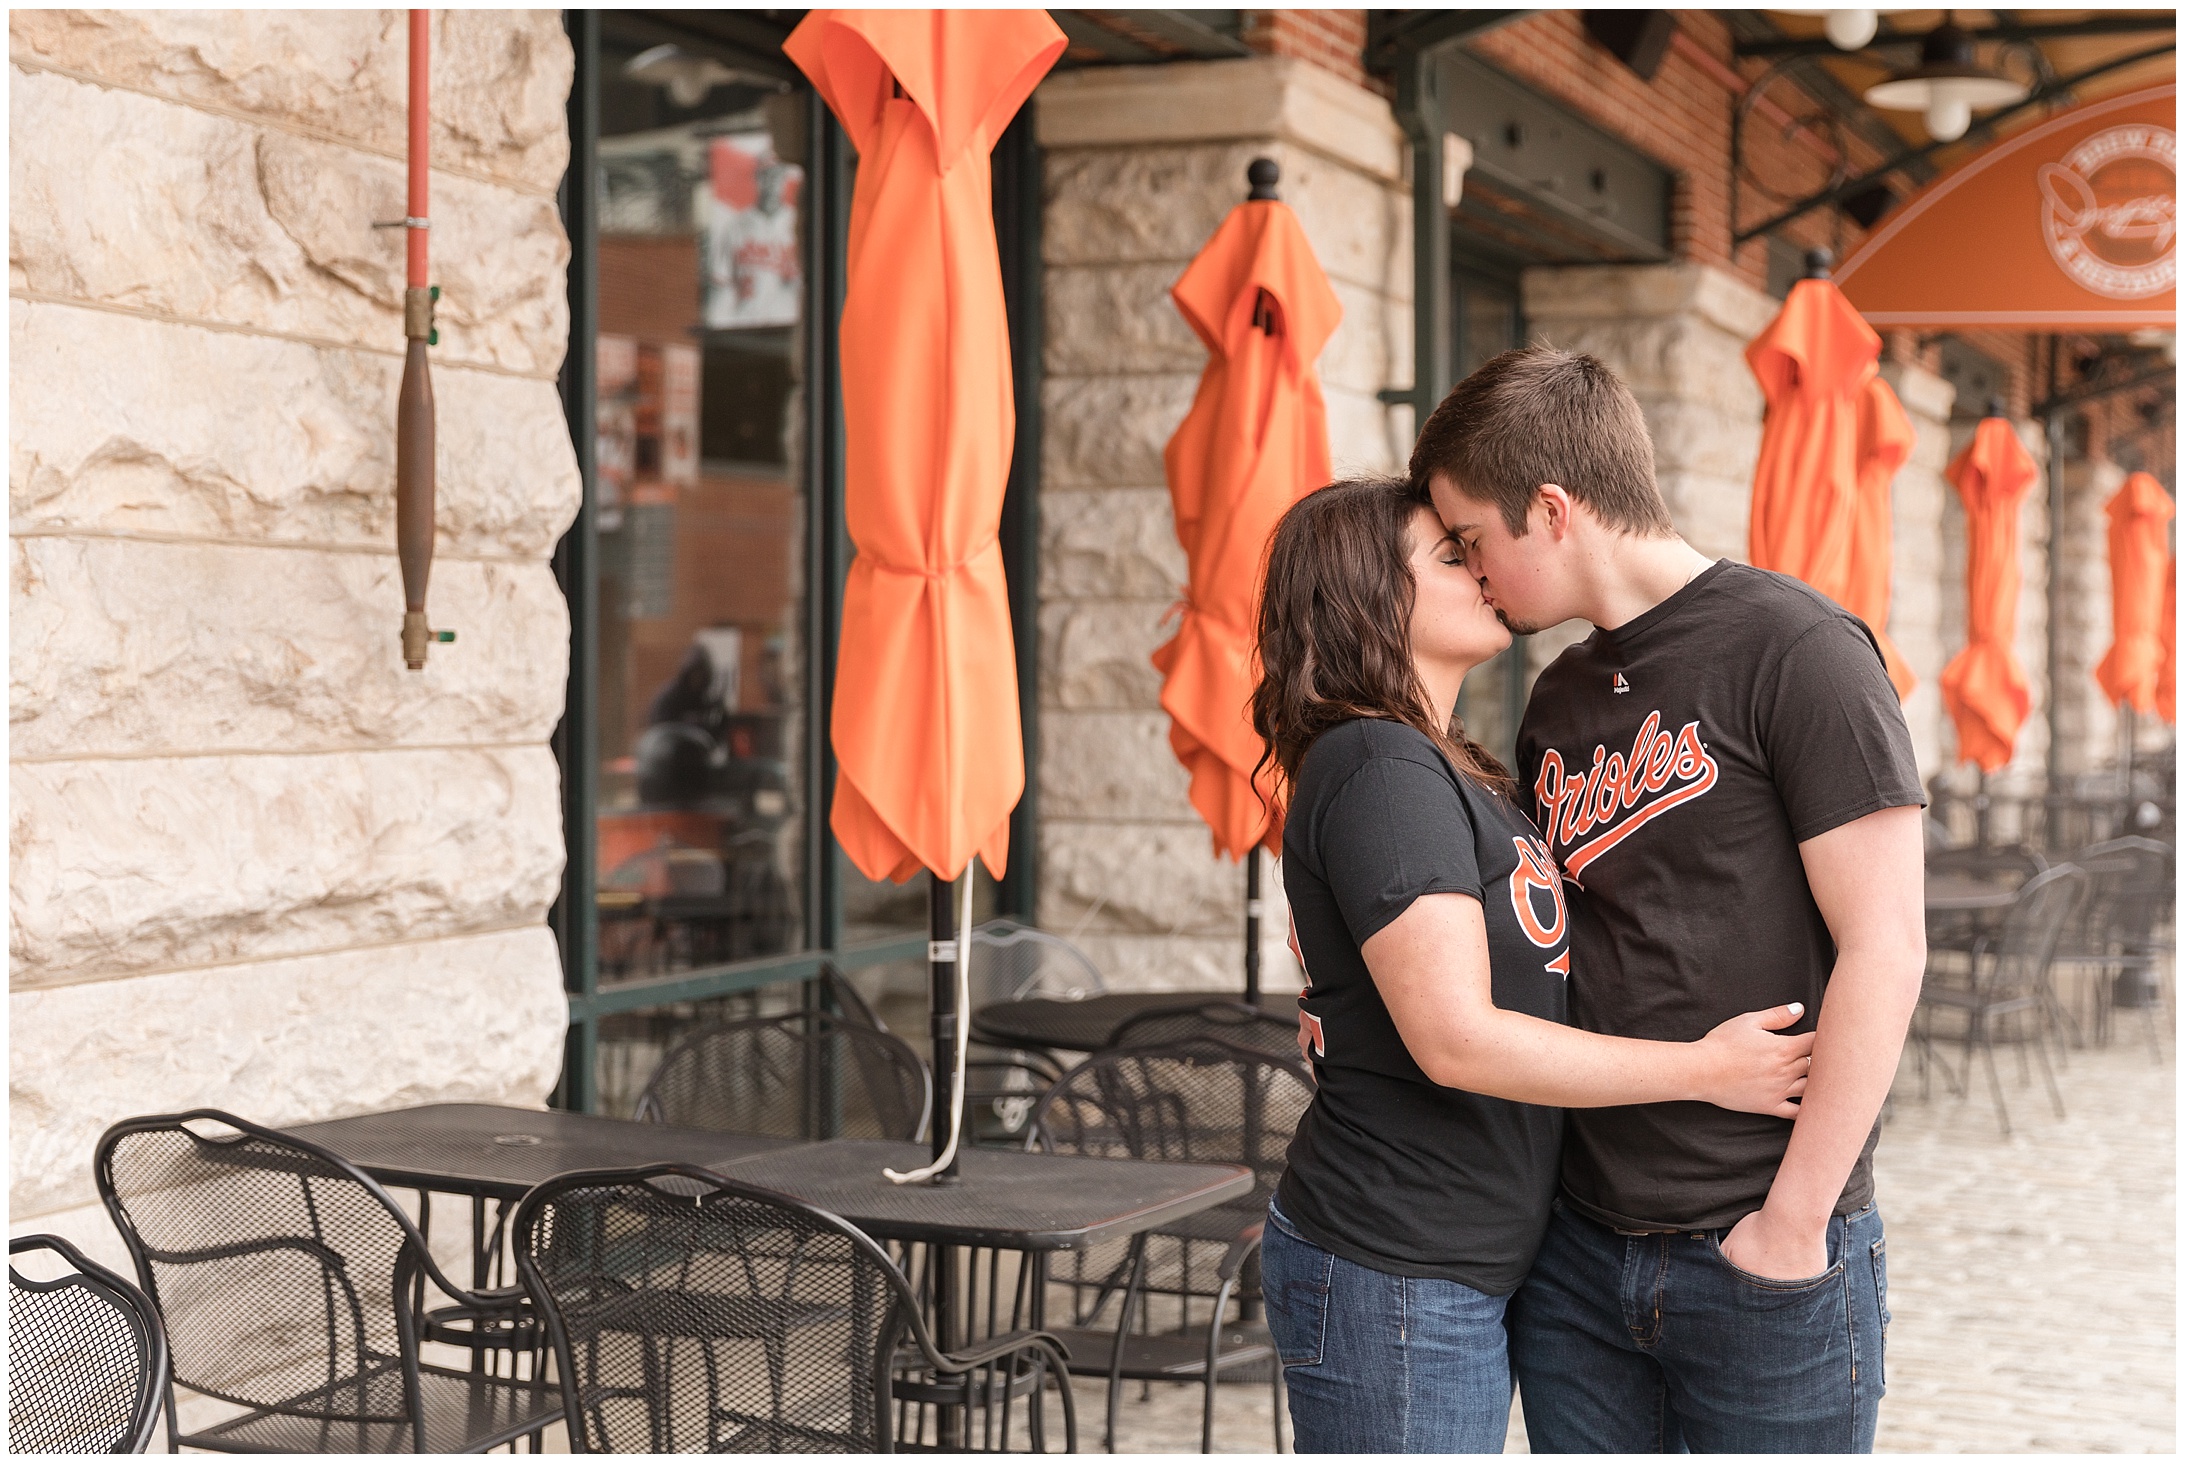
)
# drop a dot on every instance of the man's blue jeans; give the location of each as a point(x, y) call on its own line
point(1656, 1343)
point(1379, 1363)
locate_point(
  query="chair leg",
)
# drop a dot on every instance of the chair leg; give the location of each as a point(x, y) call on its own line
point(1995, 1084)
point(2040, 1049)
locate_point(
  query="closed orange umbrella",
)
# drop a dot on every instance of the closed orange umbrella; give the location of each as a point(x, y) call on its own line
point(1255, 441)
point(925, 727)
point(2166, 681)
point(2139, 561)
point(1885, 444)
point(1984, 688)
point(1813, 362)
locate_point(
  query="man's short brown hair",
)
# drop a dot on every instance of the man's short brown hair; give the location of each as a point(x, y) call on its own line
point(1541, 415)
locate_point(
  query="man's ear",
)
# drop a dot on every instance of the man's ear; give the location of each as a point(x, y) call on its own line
point(1552, 506)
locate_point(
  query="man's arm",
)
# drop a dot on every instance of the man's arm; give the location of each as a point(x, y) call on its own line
point(1868, 877)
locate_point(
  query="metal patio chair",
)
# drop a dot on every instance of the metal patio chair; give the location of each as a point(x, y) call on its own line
point(2126, 930)
point(87, 1360)
point(803, 1075)
point(2005, 995)
point(1015, 962)
point(1203, 1101)
point(291, 1285)
point(690, 1313)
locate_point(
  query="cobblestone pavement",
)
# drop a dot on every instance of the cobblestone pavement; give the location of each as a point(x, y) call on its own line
point(2032, 1279)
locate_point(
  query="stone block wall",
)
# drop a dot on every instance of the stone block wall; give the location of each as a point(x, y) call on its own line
point(257, 864)
point(1142, 164)
point(2086, 724)
point(1918, 589)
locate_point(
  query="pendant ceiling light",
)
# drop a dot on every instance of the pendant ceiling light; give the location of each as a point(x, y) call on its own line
point(1847, 30)
point(1948, 85)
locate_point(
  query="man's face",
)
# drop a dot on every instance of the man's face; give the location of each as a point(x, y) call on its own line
point(1517, 574)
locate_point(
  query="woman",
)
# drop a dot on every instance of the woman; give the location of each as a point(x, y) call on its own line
point(1431, 920)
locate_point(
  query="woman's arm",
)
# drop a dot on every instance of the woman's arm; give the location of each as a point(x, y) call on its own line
point(1431, 967)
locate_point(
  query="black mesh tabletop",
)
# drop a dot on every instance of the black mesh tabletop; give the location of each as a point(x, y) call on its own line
point(1959, 892)
point(1005, 1199)
point(1087, 1025)
point(500, 1152)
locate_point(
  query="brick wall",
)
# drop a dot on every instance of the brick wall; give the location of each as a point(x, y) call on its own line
point(1333, 40)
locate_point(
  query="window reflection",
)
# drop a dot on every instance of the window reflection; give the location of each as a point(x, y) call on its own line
point(700, 509)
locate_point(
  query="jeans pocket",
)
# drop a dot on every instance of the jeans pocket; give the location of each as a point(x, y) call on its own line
point(1295, 1277)
point(1769, 1282)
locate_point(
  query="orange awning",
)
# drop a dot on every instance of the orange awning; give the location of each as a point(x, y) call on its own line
point(1254, 442)
point(2068, 225)
point(930, 752)
point(1984, 689)
point(2139, 560)
point(1832, 443)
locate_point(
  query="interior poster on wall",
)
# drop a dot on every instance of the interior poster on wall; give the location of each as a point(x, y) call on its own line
point(752, 275)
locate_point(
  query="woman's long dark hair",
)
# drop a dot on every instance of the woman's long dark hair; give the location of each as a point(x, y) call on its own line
point(1335, 630)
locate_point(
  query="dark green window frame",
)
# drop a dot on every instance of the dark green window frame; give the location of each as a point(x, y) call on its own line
point(830, 173)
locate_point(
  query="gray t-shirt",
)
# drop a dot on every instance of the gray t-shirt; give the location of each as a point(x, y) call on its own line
point(1675, 764)
point(1388, 1169)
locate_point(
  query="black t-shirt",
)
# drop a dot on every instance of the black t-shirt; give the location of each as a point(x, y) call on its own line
point(1675, 765)
point(1388, 1169)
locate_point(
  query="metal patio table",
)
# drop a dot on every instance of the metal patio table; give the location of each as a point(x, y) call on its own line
point(1089, 1024)
point(495, 1154)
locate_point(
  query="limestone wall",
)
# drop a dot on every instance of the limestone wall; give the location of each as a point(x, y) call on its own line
point(1142, 165)
point(256, 863)
point(1917, 587)
point(2086, 724)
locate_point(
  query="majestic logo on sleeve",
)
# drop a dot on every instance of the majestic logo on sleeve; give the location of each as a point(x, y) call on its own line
point(1587, 813)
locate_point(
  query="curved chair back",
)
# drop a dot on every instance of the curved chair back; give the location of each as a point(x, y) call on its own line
point(1013, 962)
point(805, 1075)
point(690, 1313)
point(1201, 1101)
point(1235, 1021)
point(2032, 928)
point(283, 1274)
point(87, 1361)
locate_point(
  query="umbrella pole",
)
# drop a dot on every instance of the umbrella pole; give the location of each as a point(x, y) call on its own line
point(941, 970)
point(1253, 908)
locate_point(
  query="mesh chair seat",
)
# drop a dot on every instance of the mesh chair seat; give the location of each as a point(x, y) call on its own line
point(86, 1357)
point(462, 1412)
point(290, 1284)
point(690, 1313)
point(805, 1075)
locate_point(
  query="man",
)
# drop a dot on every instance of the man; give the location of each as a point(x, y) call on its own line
point(1724, 773)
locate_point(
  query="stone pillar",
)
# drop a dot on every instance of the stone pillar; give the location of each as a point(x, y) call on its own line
point(2085, 724)
point(1676, 333)
point(1142, 164)
point(1917, 593)
point(257, 864)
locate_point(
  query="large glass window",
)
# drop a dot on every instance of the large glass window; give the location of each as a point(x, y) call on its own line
point(707, 204)
point(700, 509)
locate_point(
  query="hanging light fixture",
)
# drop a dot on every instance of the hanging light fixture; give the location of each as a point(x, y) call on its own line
point(1847, 30)
point(1947, 85)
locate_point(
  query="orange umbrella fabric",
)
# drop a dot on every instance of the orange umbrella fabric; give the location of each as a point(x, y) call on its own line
point(2166, 681)
point(1984, 688)
point(925, 728)
point(1254, 442)
point(1833, 441)
point(1885, 445)
point(2139, 558)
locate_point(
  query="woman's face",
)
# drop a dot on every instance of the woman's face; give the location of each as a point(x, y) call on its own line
point(1452, 626)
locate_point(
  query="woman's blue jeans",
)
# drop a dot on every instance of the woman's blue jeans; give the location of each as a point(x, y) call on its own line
point(1379, 1363)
